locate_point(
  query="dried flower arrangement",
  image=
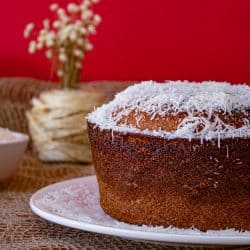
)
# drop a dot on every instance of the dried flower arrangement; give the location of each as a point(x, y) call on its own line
point(65, 39)
point(56, 118)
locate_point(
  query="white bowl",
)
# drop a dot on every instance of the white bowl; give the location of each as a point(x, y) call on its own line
point(11, 153)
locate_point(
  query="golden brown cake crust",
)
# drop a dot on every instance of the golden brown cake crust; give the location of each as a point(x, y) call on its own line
point(154, 181)
point(170, 122)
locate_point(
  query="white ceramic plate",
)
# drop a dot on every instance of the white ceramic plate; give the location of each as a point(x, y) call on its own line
point(75, 203)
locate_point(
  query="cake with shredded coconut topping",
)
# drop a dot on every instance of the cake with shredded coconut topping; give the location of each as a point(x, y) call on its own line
point(175, 153)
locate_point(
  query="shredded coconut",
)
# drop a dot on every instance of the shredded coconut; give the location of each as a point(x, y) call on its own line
point(180, 96)
point(6, 135)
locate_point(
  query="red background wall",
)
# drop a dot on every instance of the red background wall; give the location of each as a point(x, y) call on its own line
point(143, 39)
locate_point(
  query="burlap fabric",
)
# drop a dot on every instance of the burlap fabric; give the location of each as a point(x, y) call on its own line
point(19, 227)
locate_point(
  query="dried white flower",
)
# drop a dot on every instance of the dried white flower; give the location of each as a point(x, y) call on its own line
point(26, 34)
point(97, 19)
point(61, 13)
point(32, 47)
point(73, 8)
point(83, 31)
point(41, 38)
point(56, 24)
point(85, 4)
point(49, 43)
point(50, 39)
point(28, 29)
point(86, 15)
point(78, 24)
point(53, 7)
point(80, 42)
point(39, 45)
point(48, 54)
point(42, 32)
point(78, 53)
point(46, 24)
point(64, 32)
point(73, 36)
point(88, 46)
point(64, 20)
point(91, 29)
point(62, 57)
point(83, 7)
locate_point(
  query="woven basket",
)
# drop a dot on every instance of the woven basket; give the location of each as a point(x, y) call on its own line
point(15, 99)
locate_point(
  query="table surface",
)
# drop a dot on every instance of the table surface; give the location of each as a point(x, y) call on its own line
point(21, 229)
